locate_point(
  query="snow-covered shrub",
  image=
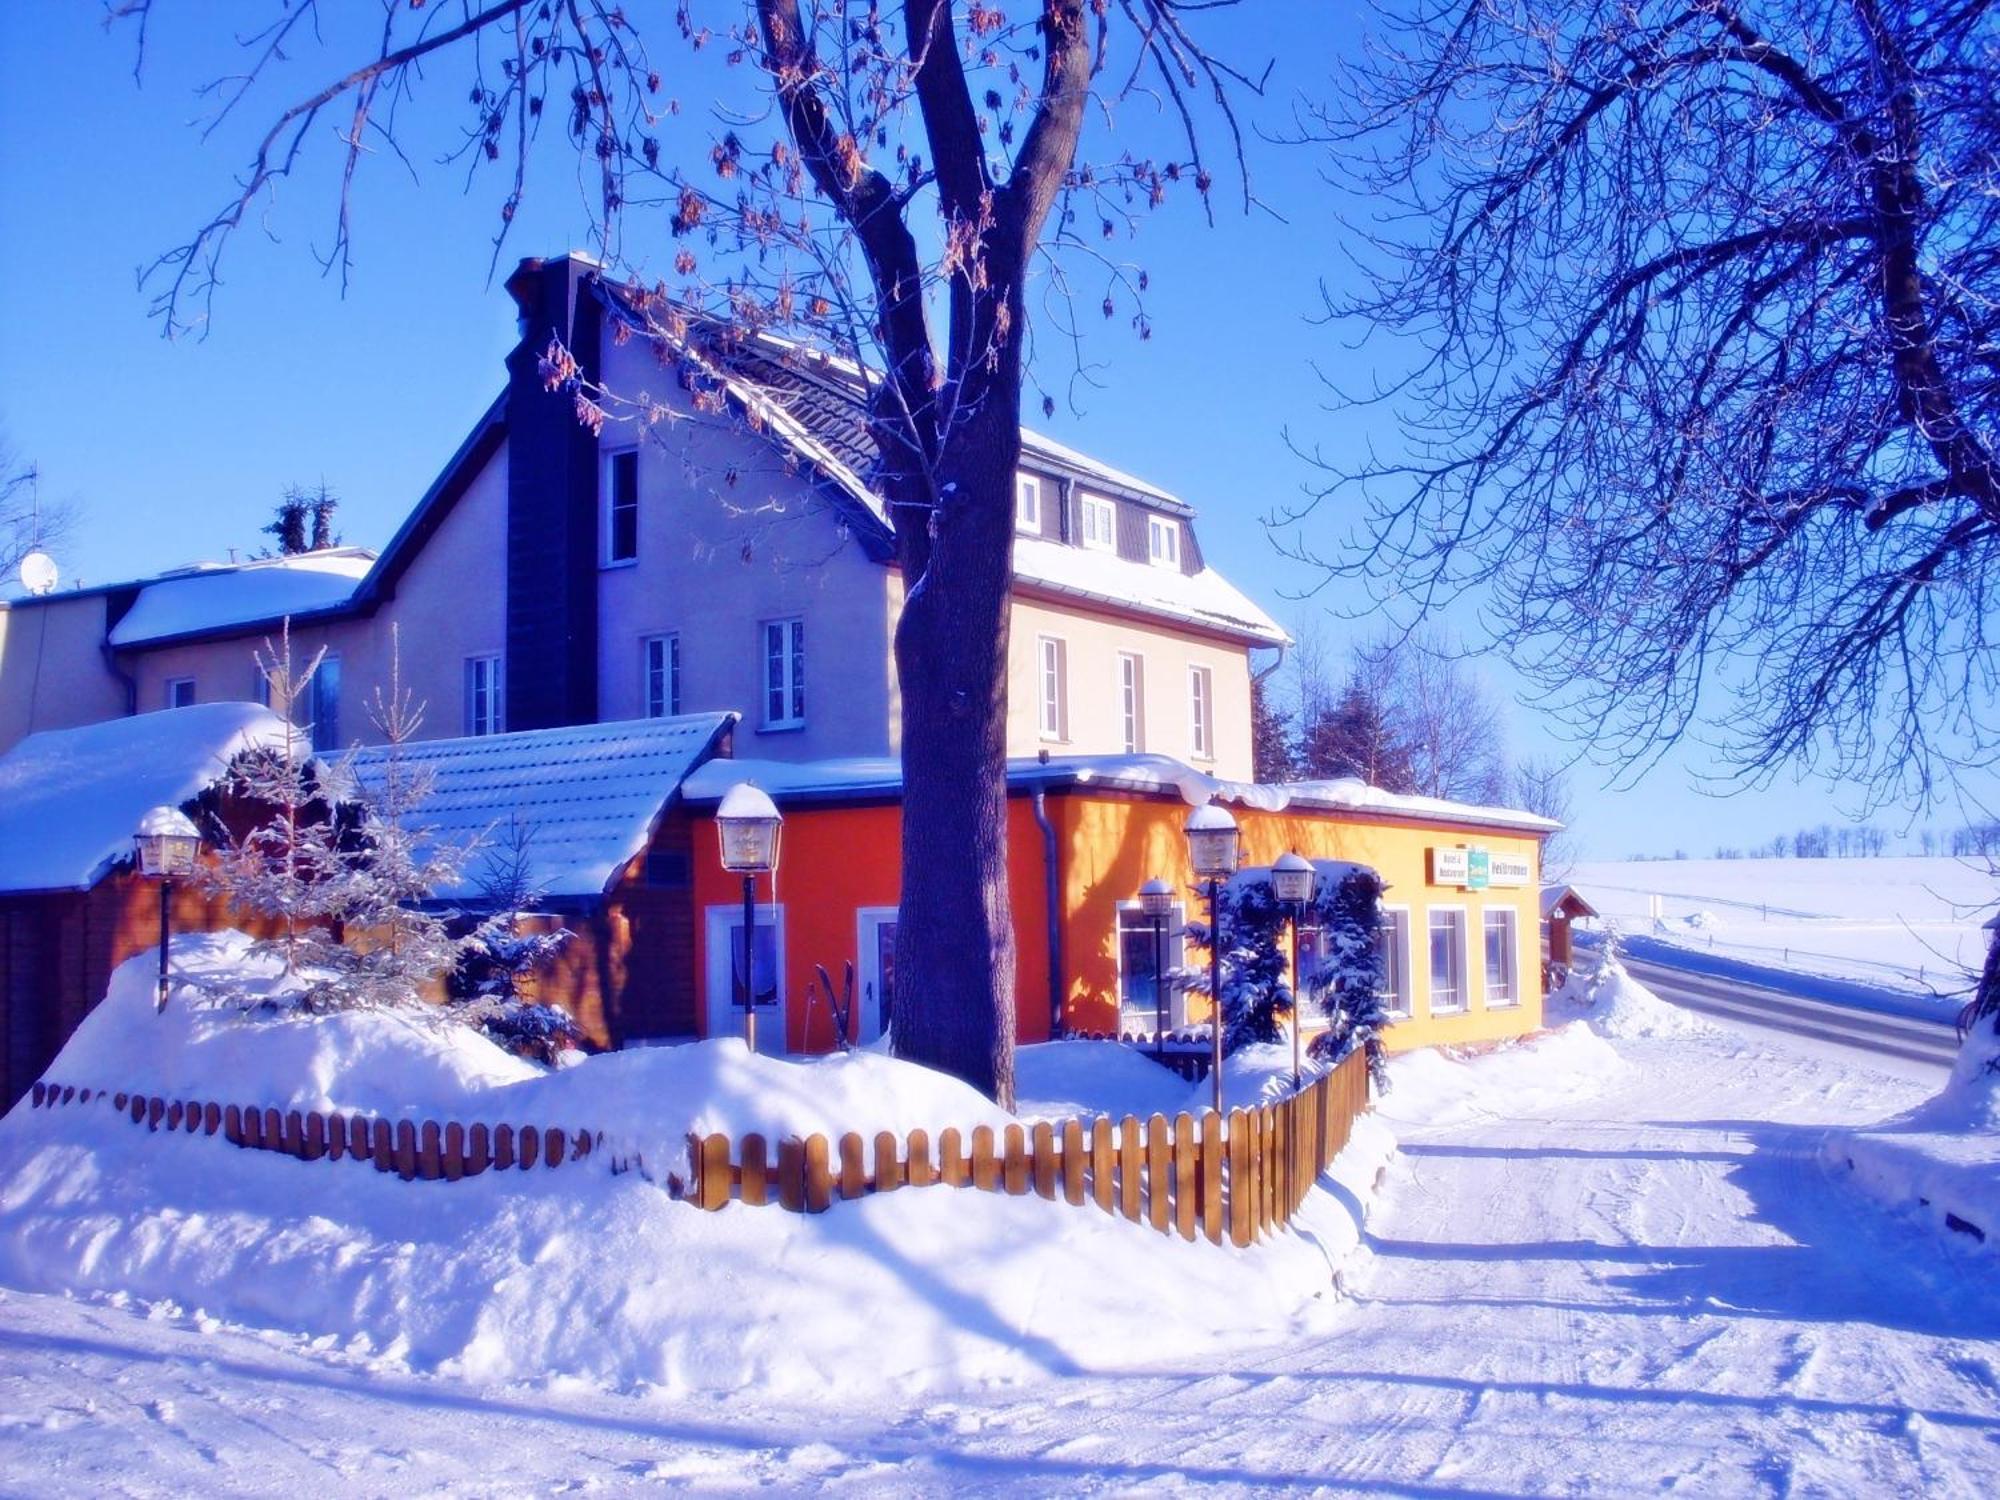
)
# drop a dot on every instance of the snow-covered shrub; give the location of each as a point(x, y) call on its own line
point(1342, 981)
point(539, 1032)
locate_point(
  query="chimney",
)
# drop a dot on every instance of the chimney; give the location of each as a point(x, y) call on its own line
point(552, 476)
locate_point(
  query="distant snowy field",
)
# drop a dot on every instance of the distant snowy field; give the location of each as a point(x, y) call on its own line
point(1907, 923)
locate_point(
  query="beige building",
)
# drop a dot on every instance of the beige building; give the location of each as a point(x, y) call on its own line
point(715, 546)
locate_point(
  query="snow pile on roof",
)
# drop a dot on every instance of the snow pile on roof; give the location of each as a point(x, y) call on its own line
point(1206, 598)
point(582, 1274)
point(1358, 796)
point(585, 798)
point(217, 596)
point(70, 799)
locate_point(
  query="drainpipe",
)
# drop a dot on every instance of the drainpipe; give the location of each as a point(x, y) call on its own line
point(111, 666)
point(1260, 678)
point(1052, 897)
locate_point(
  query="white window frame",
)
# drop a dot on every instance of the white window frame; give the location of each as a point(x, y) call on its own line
point(1028, 502)
point(1511, 920)
point(1163, 529)
point(1396, 997)
point(1201, 713)
point(1463, 1002)
point(495, 690)
point(1132, 700)
point(609, 508)
point(174, 689)
point(1176, 924)
point(668, 644)
point(791, 656)
point(1107, 510)
point(1052, 687)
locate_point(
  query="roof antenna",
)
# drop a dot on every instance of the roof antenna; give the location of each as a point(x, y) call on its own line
point(39, 574)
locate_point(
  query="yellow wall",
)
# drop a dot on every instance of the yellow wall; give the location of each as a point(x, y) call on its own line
point(1114, 844)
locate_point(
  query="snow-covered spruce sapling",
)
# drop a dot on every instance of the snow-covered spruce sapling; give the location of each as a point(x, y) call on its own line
point(1346, 982)
point(290, 868)
point(492, 986)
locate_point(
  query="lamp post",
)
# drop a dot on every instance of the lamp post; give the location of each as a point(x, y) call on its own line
point(1213, 843)
point(165, 845)
point(747, 825)
point(1292, 883)
point(1156, 900)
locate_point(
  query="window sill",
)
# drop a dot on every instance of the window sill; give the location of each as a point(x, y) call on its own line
point(790, 727)
point(611, 565)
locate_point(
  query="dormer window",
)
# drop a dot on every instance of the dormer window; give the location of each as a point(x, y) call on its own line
point(1027, 503)
point(1097, 524)
point(1163, 541)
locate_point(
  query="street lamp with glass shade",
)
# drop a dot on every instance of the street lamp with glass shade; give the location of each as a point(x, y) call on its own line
point(165, 844)
point(747, 824)
point(1214, 842)
point(1156, 900)
point(1292, 877)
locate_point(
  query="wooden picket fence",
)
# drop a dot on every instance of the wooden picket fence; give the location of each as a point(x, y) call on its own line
point(1235, 1179)
point(414, 1150)
point(1183, 1176)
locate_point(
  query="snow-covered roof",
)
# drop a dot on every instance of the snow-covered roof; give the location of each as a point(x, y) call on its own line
point(1041, 445)
point(71, 799)
point(1554, 896)
point(586, 796)
point(874, 776)
point(216, 596)
point(1205, 598)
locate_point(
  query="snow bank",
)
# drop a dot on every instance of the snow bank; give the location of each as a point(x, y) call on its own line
point(201, 1047)
point(1436, 1087)
point(1069, 1080)
point(606, 1279)
point(1614, 1004)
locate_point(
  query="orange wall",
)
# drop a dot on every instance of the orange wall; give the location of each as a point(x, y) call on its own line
point(835, 860)
point(832, 862)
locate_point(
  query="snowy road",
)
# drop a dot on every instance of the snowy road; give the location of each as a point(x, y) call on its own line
point(1651, 1289)
point(1921, 1049)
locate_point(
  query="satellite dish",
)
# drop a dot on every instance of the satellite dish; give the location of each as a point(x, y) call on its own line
point(39, 573)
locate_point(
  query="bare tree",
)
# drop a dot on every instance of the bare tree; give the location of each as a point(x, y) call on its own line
point(1541, 786)
point(881, 182)
point(1445, 722)
point(1707, 298)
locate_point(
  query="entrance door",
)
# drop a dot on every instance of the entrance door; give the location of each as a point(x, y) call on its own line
point(724, 935)
point(877, 946)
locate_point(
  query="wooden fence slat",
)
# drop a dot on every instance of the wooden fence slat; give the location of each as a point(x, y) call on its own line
point(294, 1142)
point(888, 1167)
point(1128, 1168)
point(1042, 1157)
point(453, 1160)
point(819, 1181)
point(953, 1168)
point(382, 1145)
point(1185, 1150)
point(478, 1149)
point(430, 1152)
point(985, 1175)
point(712, 1172)
point(357, 1137)
point(1075, 1163)
point(1211, 1175)
point(38, 1092)
point(156, 1108)
point(315, 1146)
point(174, 1115)
point(853, 1166)
point(756, 1154)
point(68, 1093)
point(232, 1124)
point(336, 1138)
point(1103, 1182)
point(555, 1144)
point(922, 1173)
point(528, 1145)
point(792, 1174)
point(1159, 1174)
point(1017, 1160)
point(406, 1150)
point(1242, 1190)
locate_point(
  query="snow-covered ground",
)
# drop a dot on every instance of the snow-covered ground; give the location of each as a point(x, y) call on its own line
point(1907, 923)
point(1610, 1265)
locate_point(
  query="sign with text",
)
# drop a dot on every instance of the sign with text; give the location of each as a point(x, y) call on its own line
point(1477, 869)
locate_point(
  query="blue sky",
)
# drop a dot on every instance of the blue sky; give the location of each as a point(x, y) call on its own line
point(178, 450)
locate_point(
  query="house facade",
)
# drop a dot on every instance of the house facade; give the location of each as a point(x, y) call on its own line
point(713, 547)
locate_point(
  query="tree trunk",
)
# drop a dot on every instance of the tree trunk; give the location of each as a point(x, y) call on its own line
point(954, 996)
